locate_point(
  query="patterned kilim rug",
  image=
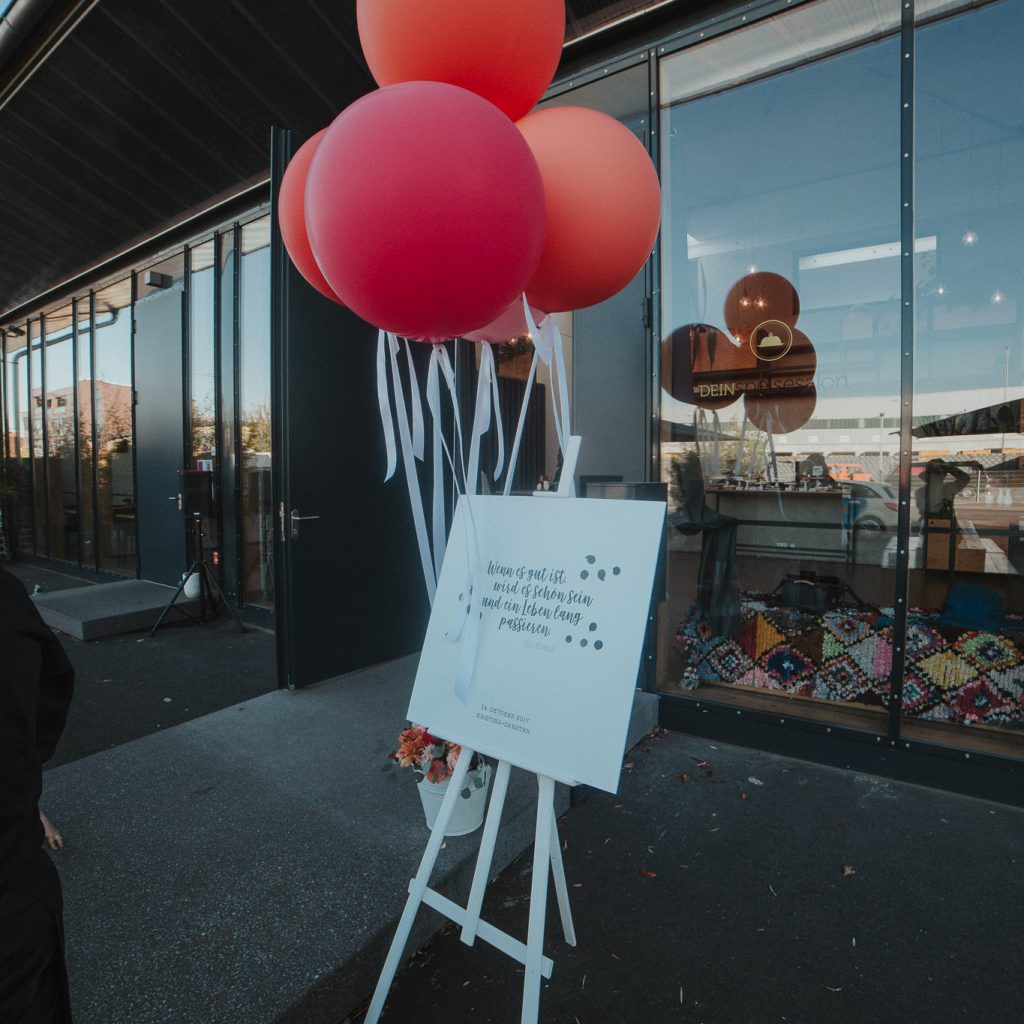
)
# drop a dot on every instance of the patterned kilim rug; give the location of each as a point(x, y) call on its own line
point(952, 675)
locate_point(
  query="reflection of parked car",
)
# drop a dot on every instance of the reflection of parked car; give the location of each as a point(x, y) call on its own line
point(870, 505)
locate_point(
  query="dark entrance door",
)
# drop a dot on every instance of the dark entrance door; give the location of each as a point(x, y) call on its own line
point(158, 433)
point(349, 590)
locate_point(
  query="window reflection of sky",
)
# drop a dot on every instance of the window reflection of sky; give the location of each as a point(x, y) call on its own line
point(970, 194)
point(254, 329)
point(769, 174)
point(113, 336)
point(780, 172)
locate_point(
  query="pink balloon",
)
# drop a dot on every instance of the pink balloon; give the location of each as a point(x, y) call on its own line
point(425, 210)
point(510, 323)
point(292, 219)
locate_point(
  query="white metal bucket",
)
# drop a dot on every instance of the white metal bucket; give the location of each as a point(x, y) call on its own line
point(468, 815)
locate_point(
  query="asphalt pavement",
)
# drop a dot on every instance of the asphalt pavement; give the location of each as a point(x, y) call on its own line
point(729, 886)
point(132, 685)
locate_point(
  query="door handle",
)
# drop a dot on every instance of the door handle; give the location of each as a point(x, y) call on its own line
point(296, 519)
point(177, 498)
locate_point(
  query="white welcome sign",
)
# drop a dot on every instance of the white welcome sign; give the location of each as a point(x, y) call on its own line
point(536, 632)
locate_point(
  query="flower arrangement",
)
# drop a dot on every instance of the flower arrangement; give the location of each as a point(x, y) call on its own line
point(430, 758)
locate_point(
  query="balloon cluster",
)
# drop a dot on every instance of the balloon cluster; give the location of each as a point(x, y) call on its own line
point(772, 368)
point(432, 204)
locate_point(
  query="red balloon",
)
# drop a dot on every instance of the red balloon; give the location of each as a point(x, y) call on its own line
point(505, 52)
point(292, 217)
point(511, 323)
point(604, 206)
point(425, 210)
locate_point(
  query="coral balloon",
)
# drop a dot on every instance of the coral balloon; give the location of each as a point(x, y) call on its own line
point(505, 52)
point(604, 206)
point(425, 210)
point(511, 323)
point(292, 217)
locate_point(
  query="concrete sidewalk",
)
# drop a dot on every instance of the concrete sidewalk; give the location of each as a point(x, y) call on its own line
point(728, 886)
point(249, 866)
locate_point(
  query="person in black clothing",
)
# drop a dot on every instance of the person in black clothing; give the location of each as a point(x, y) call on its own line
point(36, 684)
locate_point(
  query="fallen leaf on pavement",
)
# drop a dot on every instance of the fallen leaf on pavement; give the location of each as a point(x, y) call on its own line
point(648, 874)
point(847, 871)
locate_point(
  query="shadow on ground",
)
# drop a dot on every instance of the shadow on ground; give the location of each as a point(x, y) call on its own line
point(130, 686)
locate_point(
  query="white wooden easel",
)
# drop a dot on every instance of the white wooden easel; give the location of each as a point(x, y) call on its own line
point(547, 852)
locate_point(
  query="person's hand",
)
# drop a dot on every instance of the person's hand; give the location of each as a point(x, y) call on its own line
point(54, 839)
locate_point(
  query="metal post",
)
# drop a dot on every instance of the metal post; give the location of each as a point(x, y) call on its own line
point(906, 101)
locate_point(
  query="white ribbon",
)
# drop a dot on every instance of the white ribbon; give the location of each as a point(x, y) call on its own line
point(541, 342)
point(550, 328)
point(498, 425)
point(548, 347)
point(437, 520)
point(517, 440)
point(411, 476)
point(469, 627)
point(487, 406)
point(384, 402)
point(481, 420)
point(417, 406)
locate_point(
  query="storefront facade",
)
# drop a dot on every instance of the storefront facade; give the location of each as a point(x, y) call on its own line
point(835, 371)
point(823, 362)
point(112, 391)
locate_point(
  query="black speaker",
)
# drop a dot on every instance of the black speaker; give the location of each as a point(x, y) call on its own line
point(196, 492)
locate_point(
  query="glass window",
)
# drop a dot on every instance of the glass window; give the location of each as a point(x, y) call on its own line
point(202, 369)
point(86, 440)
point(780, 361)
point(256, 497)
point(202, 336)
point(112, 361)
point(965, 646)
point(59, 350)
point(38, 461)
point(17, 412)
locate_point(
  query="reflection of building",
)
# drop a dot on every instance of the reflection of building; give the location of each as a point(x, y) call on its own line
point(113, 413)
point(265, 382)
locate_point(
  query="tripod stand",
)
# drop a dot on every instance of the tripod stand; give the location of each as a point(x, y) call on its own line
point(208, 586)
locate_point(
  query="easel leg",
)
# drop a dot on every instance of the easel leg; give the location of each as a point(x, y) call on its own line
point(486, 854)
point(561, 889)
point(418, 887)
point(538, 899)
